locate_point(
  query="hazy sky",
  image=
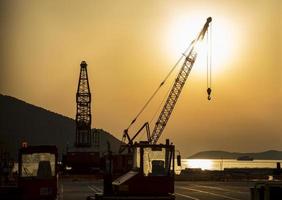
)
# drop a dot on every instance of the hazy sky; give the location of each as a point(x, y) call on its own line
point(131, 45)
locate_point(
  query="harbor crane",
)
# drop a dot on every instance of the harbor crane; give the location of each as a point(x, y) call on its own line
point(152, 172)
point(83, 109)
point(174, 93)
point(81, 158)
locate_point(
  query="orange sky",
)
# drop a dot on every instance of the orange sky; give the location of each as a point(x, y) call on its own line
point(131, 45)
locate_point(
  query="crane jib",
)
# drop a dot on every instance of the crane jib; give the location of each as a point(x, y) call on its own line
point(177, 87)
point(174, 93)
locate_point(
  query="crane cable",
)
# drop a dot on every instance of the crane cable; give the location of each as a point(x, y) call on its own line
point(209, 77)
point(209, 74)
point(162, 83)
point(209, 62)
point(209, 71)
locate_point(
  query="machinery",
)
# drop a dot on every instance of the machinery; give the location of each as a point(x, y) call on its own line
point(152, 172)
point(173, 94)
point(83, 109)
point(152, 175)
point(81, 159)
point(38, 175)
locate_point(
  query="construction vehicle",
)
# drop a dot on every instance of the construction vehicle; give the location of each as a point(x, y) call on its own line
point(81, 159)
point(37, 174)
point(152, 173)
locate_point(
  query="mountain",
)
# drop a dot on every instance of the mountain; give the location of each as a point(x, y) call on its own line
point(266, 155)
point(21, 121)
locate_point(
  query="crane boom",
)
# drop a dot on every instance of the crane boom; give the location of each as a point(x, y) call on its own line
point(177, 86)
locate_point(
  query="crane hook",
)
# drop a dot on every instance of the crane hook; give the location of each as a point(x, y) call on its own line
point(209, 90)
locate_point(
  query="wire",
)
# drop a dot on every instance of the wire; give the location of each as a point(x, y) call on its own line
point(140, 137)
point(207, 53)
point(164, 98)
point(210, 54)
point(209, 61)
point(162, 83)
point(209, 69)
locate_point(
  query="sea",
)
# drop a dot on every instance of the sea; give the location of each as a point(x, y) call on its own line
point(221, 164)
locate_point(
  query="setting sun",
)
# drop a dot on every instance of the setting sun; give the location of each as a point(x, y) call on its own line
point(157, 99)
point(204, 164)
point(183, 30)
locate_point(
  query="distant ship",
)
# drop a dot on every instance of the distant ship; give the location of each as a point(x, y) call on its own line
point(245, 158)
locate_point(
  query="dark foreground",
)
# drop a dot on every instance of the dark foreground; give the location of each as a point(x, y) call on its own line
point(184, 190)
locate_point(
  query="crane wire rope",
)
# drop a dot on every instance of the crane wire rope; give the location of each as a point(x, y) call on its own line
point(162, 102)
point(210, 58)
point(141, 136)
point(209, 77)
point(158, 88)
point(209, 72)
point(209, 61)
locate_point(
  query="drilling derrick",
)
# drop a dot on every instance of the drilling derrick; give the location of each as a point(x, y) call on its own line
point(83, 109)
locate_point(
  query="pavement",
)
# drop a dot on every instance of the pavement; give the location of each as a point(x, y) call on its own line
point(213, 190)
point(184, 190)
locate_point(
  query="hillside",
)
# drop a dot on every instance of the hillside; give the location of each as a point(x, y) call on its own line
point(266, 155)
point(21, 121)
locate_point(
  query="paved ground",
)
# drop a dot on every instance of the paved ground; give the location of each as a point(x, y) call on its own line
point(213, 190)
point(79, 190)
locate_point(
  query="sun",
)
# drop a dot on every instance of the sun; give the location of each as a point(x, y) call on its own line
point(204, 164)
point(183, 29)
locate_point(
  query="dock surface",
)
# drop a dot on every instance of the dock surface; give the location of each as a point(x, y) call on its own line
point(184, 190)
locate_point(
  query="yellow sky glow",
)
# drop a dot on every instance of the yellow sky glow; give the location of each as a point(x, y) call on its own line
point(131, 45)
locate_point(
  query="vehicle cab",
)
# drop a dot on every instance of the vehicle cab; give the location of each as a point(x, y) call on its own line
point(151, 176)
point(38, 175)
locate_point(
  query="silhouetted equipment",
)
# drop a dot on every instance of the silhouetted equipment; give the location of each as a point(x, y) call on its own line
point(209, 61)
point(37, 176)
point(82, 159)
point(81, 162)
point(174, 93)
point(278, 166)
point(177, 86)
point(178, 159)
point(266, 190)
point(209, 93)
point(6, 166)
point(83, 109)
point(151, 177)
point(152, 170)
point(38, 172)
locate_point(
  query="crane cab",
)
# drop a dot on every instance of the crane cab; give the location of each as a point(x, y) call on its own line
point(151, 177)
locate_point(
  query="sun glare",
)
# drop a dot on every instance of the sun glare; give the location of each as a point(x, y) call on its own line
point(183, 30)
point(204, 164)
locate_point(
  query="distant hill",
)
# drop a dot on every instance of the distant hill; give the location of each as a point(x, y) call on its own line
point(266, 155)
point(21, 121)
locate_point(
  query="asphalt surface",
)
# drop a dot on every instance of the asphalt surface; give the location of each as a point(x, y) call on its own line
point(213, 190)
point(184, 190)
